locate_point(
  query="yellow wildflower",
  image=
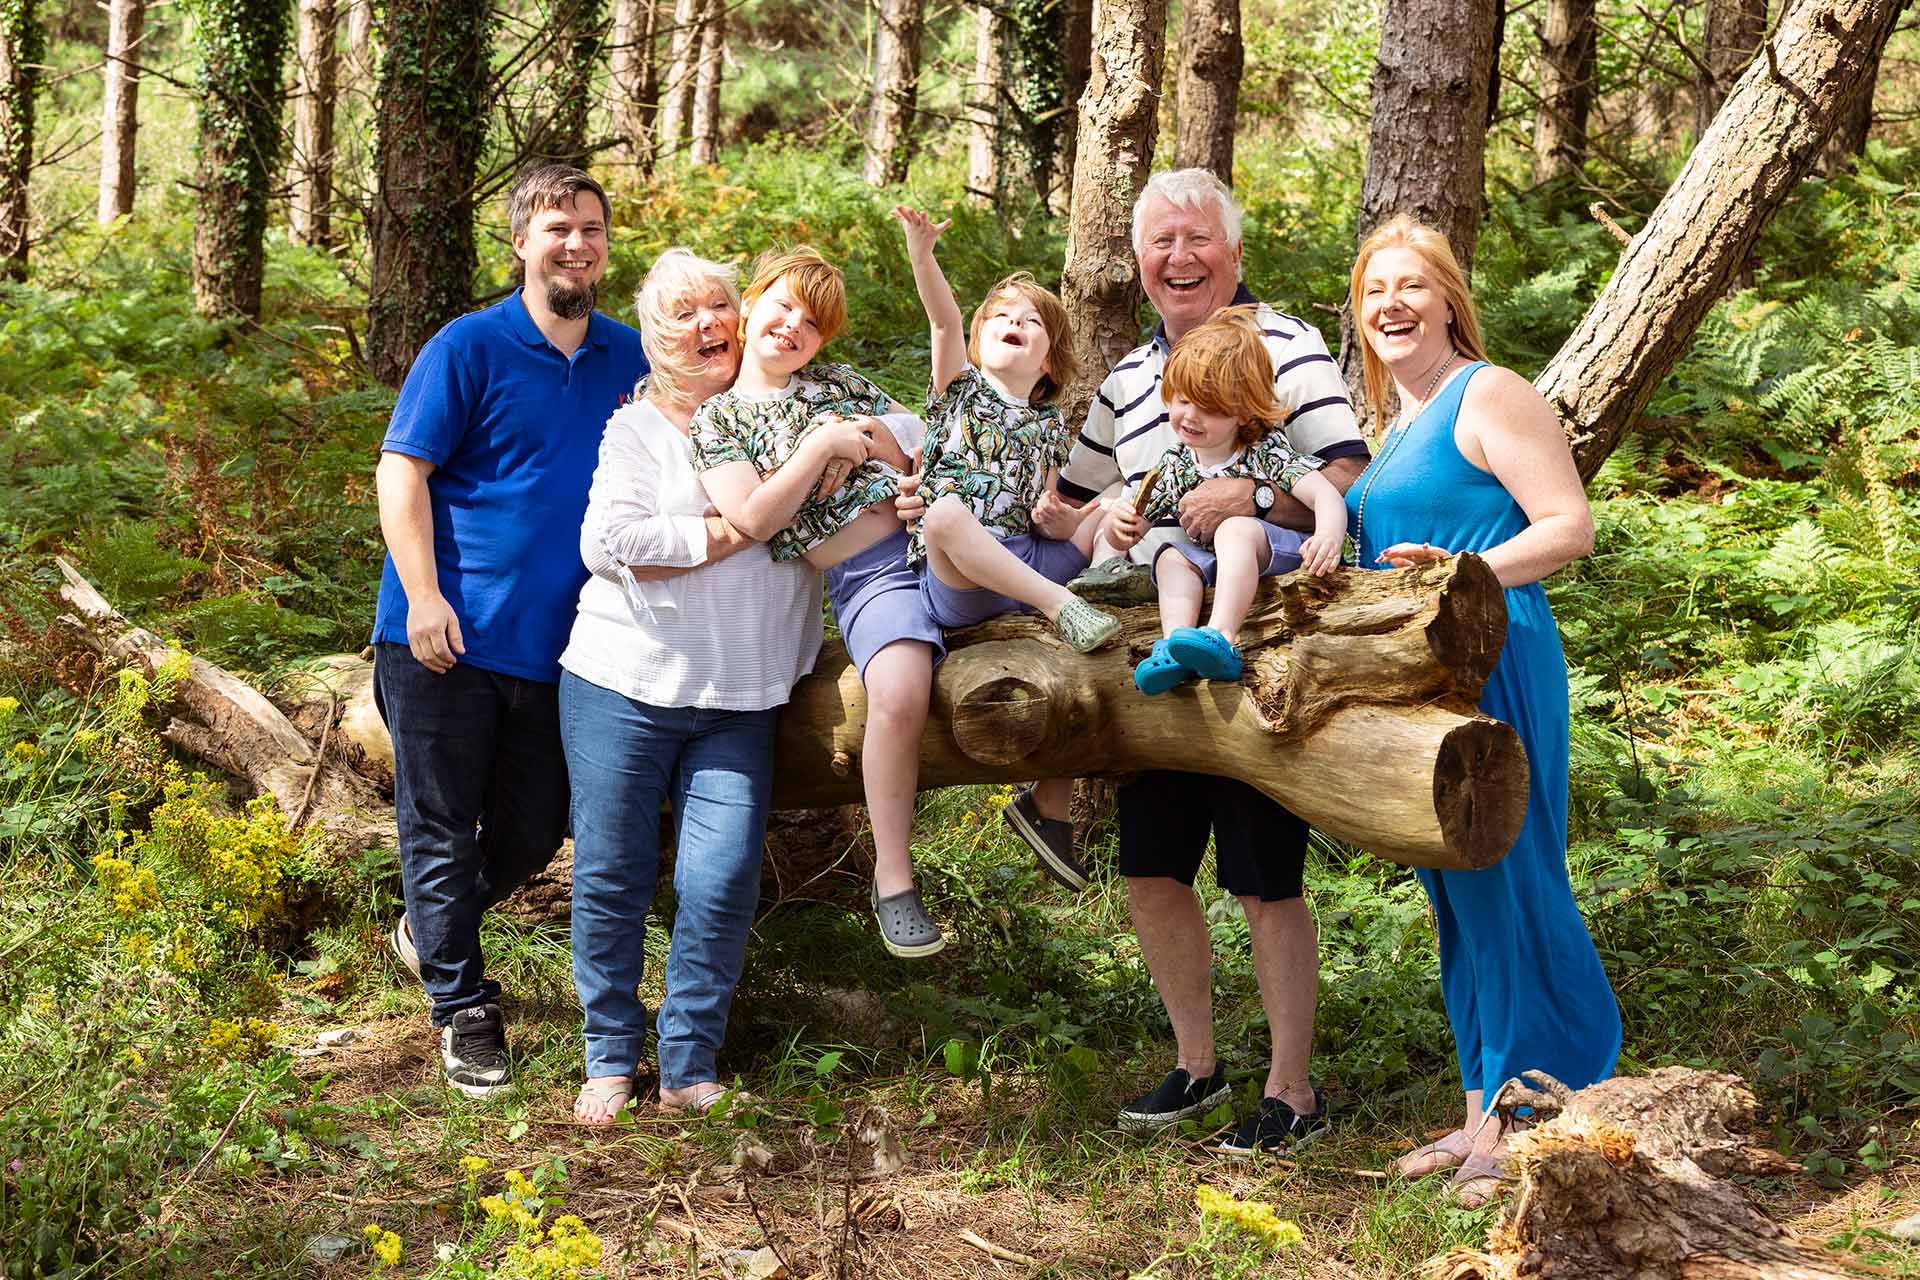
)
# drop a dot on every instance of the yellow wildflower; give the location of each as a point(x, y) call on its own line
point(385, 1244)
point(1251, 1216)
point(518, 1184)
point(473, 1165)
point(139, 948)
point(7, 707)
point(24, 750)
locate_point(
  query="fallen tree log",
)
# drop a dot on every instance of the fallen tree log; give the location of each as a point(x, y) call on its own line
point(1626, 1179)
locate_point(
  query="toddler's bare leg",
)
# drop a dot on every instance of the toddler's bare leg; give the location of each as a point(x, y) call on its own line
point(1243, 550)
point(1180, 591)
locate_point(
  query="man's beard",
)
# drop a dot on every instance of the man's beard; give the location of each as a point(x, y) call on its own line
point(570, 302)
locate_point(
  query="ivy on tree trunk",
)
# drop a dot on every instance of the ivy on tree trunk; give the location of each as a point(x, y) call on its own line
point(22, 50)
point(243, 47)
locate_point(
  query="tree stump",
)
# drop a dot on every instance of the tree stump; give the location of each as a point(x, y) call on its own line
point(1626, 1181)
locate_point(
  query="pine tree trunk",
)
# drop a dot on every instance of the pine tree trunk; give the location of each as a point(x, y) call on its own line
point(243, 50)
point(433, 122)
point(706, 91)
point(1849, 139)
point(578, 39)
point(360, 39)
point(1735, 29)
point(676, 95)
point(1211, 60)
point(309, 212)
point(1118, 123)
point(983, 125)
point(1567, 48)
point(120, 107)
point(1076, 70)
point(896, 86)
point(635, 87)
point(1761, 144)
point(22, 49)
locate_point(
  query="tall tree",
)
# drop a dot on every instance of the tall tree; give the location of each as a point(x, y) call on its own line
point(983, 108)
point(1212, 58)
point(317, 50)
point(360, 38)
point(578, 38)
point(1759, 147)
point(243, 48)
point(433, 123)
point(896, 87)
point(676, 94)
point(1849, 138)
point(634, 89)
point(1101, 282)
point(22, 50)
point(120, 107)
point(1076, 68)
point(1735, 29)
point(705, 147)
point(1567, 58)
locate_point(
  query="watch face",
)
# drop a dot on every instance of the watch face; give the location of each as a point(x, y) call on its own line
point(1263, 496)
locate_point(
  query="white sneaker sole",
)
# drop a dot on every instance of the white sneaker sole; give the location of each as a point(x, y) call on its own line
point(1137, 1122)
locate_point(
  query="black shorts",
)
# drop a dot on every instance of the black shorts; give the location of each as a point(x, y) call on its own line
point(1260, 849)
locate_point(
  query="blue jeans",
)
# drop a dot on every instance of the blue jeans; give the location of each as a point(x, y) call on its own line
point(625, 758)
point(480, 800)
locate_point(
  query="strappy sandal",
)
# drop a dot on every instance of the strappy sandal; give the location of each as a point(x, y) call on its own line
point(712, 1100)
point(1441, 1155)
point(613, 1094)
point(1480, 1177)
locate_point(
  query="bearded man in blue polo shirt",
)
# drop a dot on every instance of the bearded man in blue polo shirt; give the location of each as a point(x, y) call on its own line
point(483, 481)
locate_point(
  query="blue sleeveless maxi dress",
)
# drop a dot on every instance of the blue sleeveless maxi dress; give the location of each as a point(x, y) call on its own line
point(1523, 984)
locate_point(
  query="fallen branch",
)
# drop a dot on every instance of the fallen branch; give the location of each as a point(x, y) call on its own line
point(993, 1250)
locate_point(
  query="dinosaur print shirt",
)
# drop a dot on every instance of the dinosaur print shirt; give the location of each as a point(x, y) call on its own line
point(992, 450)
point(765, 430)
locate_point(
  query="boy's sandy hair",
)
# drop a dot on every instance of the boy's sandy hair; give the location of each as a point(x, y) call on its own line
point(810, 277)
point(1063, 363)
point(1223, 366)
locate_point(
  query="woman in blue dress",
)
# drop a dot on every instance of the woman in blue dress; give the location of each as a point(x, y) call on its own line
point(1476, 461)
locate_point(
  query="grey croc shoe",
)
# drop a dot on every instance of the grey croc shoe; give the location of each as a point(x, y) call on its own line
point(905, 927)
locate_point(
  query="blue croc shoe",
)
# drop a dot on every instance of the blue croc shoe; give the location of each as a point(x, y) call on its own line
point(1159, 671)
point(1205, 652)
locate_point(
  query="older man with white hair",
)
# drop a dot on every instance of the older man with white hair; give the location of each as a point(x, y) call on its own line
point(1186, 238)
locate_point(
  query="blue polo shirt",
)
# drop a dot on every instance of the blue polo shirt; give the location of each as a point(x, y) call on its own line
point(512, 426)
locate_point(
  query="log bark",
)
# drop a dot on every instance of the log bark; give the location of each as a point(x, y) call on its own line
point(1567, 59)
point(1119, 120)
point(309, 215)
point(1626, 1181)
point(1212, 58)
point(983, 122)
point(22, 50)
point(120, 107)
point(896, 88)
point(1758, 148)
point(634, 89)
point(1735, 29)
point(705, 147)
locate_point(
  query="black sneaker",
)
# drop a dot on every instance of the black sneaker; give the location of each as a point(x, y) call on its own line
point(1050, 839)
point(1276, 1127)
point(473, 1051)
point(1178, 1097)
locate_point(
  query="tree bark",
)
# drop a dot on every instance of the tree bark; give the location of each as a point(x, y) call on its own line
point(318, 50)
point(1848, 141)
point(1119, 120)
point(433, 114)
point(120, 107)
point(1567, 54)
point(1076, 70)
point(706, 90)
point(1735, 29)
point(635, 86)
point(1212, 58)
point(22, 50)
point(1626, 1181)
point(578, 38)
point(360, 39)
point(1758, 148)
point(983, 124)
point(676, 101)
point(896, 87)
point(243, 49)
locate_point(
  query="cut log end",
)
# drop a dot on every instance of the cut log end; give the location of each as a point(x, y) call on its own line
point(1479, 816)
point(1001, 720)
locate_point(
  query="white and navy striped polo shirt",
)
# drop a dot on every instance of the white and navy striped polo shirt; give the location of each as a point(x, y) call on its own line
point(1126, 429)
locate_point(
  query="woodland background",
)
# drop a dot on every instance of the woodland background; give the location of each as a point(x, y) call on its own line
point(202, 325)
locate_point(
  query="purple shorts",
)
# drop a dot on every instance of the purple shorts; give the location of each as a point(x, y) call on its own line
point(1284, 543)
point(876, 600)
point(1054, 560)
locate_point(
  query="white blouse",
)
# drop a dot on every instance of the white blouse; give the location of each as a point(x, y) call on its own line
point(734, 635)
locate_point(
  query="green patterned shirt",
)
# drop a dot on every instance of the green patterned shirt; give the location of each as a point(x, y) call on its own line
point(993, 452)
point(1267, 460)
point(731, 427)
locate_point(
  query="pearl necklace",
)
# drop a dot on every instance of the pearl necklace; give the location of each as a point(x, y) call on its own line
point(1394, 435)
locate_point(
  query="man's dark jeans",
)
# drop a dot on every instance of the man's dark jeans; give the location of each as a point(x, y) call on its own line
point(480, 798)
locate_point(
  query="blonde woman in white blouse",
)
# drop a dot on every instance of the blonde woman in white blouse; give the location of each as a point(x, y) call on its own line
point(688, 637)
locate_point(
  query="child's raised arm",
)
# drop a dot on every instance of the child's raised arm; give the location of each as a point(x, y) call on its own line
point(945, 324)
point(1320, 554)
